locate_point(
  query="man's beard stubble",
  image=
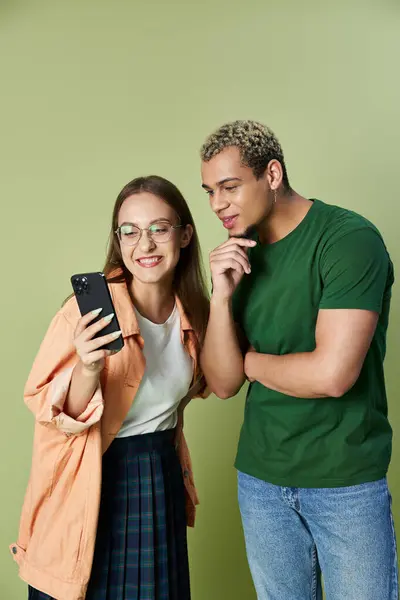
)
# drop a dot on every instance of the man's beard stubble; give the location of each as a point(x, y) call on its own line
point(247, 235)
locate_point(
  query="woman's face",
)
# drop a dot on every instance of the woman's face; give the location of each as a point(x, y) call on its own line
point(151, 255)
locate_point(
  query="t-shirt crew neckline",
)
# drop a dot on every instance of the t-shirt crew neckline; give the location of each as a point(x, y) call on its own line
point(170, 319)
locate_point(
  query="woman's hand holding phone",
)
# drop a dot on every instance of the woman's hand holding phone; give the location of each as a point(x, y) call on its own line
point(90, 350)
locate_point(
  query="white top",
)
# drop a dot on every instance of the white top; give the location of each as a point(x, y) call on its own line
point(166, 380)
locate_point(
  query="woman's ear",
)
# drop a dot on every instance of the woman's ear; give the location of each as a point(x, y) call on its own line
point(186, 235)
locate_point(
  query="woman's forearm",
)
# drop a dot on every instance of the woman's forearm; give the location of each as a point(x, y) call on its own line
point(82, 387)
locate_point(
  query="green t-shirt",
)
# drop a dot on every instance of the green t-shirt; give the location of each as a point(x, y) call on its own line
point(334, 259)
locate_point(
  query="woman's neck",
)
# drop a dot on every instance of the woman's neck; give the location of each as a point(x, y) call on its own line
point(154, 302)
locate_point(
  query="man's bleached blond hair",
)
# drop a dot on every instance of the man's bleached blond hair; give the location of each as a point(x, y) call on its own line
point(257, 144)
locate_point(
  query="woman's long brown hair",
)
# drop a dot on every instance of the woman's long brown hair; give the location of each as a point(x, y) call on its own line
point(189, 280)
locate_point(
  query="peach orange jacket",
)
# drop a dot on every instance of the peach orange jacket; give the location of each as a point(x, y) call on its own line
point(59, 516)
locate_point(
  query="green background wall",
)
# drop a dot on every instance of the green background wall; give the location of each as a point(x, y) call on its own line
point(95, 92)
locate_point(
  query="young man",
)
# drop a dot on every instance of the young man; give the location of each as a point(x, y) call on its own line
point(309, 286)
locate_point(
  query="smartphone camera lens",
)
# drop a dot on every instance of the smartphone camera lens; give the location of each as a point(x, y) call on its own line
point(83, 283)
point(80, 285)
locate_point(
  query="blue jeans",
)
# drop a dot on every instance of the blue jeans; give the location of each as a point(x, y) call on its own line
point(292, 534)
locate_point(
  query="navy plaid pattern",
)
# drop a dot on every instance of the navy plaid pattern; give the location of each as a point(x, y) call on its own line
point(141, 545)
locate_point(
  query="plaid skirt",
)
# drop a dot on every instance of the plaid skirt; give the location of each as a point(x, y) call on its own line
point(141, 545)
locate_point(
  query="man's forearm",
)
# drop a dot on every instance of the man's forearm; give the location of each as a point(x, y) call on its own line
point(221, 359)
point(303, 375)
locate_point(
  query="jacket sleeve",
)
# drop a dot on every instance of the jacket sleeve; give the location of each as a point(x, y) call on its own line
point(49, 380)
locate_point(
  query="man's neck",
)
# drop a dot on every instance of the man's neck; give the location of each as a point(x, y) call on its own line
point(286, 214)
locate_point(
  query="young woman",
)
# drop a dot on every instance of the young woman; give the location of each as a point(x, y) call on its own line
point(111, 489)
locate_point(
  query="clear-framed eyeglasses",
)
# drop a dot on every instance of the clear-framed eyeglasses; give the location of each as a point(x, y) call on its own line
point(130, 235)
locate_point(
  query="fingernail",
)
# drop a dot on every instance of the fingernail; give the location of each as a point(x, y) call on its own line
point(109, 317)
point(116, 334)
point(97, 311)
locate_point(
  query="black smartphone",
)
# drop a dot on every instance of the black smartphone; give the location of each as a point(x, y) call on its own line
point(92, 292)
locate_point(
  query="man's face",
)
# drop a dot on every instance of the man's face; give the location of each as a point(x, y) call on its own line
point(239, 199)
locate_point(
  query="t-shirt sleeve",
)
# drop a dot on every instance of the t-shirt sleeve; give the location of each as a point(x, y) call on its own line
point(354, 270)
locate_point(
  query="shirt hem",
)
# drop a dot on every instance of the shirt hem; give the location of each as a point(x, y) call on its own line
point(314, 483)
